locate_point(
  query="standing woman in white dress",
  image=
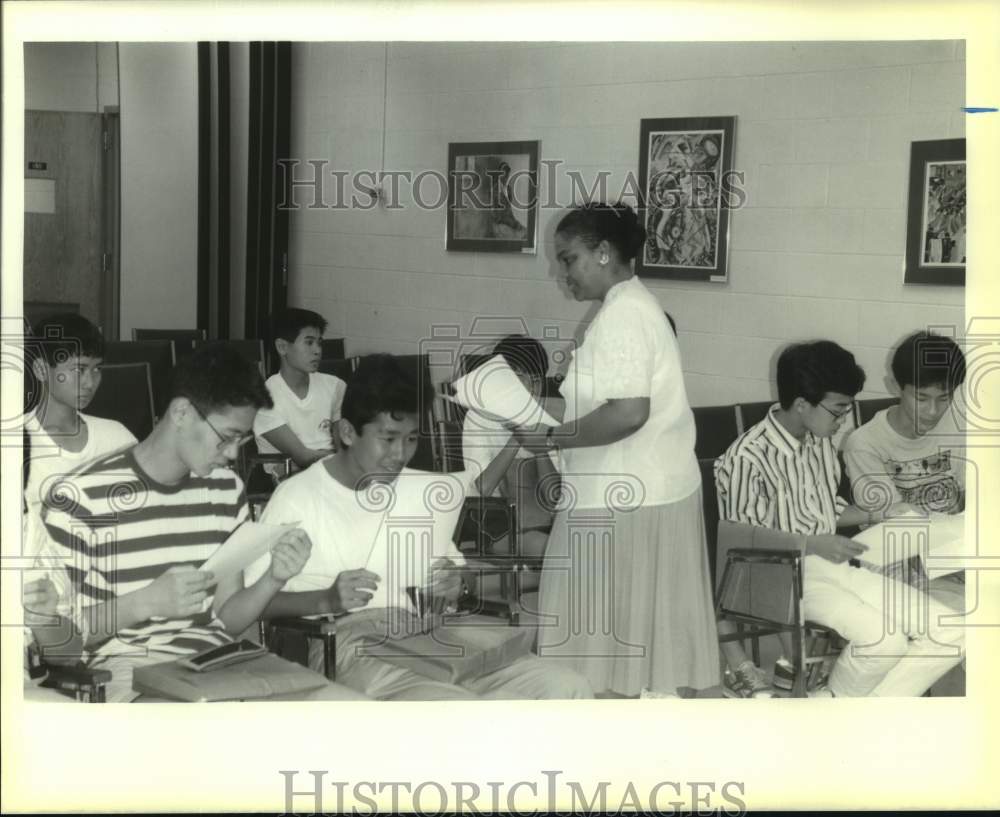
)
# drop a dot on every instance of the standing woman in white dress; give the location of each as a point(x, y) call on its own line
point(625, 596)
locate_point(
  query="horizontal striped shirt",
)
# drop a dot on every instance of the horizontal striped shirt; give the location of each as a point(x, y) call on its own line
point(119, 530)
point(769, 478)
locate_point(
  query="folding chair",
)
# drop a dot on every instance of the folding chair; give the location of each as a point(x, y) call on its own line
point(866, 409)
point(126, 395)
point(339, 367)
point(160, 356)
point(716, 428)
point(761, 592)
point(290, 638)
point(484, 522)
point(250, 348)
point(258, 483)
point(286, 637)
point(184, 339)
point(333, 348)
point(77, 681)
point(749, 414)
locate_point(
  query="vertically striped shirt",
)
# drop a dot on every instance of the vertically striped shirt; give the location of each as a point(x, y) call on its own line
point(769, 478)
point(120, 529)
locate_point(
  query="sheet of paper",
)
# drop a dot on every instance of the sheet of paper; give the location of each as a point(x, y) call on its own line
point(417, 529)
point(245, 545)
point(494, 391)
point(913, 534)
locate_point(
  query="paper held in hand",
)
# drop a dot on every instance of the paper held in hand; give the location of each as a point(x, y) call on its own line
point(417, 529)
point(495, 391)
point(935, 536)
point(245, 545)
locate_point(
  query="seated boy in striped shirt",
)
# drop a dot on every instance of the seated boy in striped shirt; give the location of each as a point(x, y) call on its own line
point(783, 473)
point(135, 526)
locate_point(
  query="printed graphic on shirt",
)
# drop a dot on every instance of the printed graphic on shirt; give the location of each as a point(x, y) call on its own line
point(927, 482)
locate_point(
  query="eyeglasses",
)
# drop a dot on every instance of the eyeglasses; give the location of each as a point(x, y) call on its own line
point(224, 442)
point(837, 415)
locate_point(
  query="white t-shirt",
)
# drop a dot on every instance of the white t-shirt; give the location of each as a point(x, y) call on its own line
point(311, 418)
point(884, 466)
point(351, 530)
point(49, 463)
point(630, 351)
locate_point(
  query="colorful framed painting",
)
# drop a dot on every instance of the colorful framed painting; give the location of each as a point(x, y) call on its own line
point(686, 184)
point(936, 215)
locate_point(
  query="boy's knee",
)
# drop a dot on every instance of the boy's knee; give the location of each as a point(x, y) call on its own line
point(567, 683)
point(878, 645)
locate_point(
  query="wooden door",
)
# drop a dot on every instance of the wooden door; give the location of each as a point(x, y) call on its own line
point(63, 236)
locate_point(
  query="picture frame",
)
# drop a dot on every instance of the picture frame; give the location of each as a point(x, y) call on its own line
point(936, 213)
point(686, 189)
point(493, 196)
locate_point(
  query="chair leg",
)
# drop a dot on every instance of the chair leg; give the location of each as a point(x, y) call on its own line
point(330, 655)
point(798, 662)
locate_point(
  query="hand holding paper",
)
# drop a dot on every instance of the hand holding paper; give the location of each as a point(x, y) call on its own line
point(497, 393)
point(245, 545)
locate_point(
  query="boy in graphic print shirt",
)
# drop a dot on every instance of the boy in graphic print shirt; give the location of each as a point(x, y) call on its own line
point(913, 451)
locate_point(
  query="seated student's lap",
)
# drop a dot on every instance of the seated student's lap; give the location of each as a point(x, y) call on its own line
point(528, 677)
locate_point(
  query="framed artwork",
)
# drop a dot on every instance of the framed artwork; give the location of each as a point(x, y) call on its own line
point(492, 196)
point(935, 216)
point(685, 178)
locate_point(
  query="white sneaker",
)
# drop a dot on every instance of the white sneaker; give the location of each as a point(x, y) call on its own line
point(821, 692)
point(646, 692)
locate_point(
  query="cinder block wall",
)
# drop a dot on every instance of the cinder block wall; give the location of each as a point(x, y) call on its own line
point(823, 135)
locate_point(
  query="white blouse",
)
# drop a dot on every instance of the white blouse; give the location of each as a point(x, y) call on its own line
point(629, 350)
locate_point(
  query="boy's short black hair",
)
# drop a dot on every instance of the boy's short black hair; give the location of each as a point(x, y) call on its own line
point(927, 359)
point(58, 337)
point(381, 384)
point(287, 323)
point(812, 370)
point(524, 355)
point(216, 377)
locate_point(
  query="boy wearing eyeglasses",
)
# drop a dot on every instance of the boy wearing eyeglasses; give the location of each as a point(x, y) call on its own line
point(135, 527)
point(783, 473)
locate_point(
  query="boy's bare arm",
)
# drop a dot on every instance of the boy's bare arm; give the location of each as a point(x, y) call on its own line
point(288, 443)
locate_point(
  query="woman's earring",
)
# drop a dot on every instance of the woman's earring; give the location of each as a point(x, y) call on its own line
point(604, 260)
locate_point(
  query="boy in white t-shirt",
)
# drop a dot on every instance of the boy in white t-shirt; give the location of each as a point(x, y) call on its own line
point(339, 504)
point(502, 466)
point(64, 353)
point(66, 366)
point(306, 401)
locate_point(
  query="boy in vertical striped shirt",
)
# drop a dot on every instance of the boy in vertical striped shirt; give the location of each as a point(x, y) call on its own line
point(135, 527)
point(783, 473)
